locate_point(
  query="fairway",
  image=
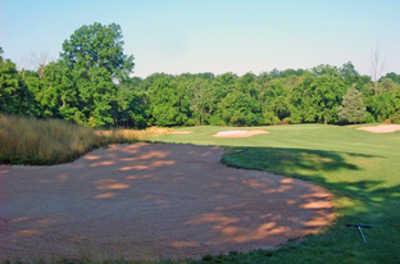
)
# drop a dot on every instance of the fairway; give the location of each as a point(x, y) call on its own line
point(362, 169)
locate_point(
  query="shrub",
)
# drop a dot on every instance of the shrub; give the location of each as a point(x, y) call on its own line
point(395, 118)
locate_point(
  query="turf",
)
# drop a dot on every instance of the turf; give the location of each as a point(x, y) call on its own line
point(362, 170)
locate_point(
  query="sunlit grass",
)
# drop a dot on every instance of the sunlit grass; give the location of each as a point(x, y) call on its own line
point(126, 135)
point(26, 140)
point(362, 169)
point(32, 141)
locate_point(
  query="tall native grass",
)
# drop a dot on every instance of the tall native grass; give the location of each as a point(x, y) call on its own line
point(25, 140)
point(33, 141)
point(127, 135)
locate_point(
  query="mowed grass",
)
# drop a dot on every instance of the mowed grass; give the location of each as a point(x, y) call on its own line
point(360, 168)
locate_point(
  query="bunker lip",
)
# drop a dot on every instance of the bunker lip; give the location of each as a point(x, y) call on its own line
point(152, 201)
point(240, 133)
point(383, 128)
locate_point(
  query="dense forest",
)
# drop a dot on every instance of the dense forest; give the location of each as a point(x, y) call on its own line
point(91, 84)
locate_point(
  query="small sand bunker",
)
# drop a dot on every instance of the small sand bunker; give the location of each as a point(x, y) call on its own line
point(239, 133)
point(381, 128)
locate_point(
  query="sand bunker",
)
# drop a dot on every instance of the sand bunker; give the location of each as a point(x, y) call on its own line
point(151, 201)
point(381, 128)
point(239, 133)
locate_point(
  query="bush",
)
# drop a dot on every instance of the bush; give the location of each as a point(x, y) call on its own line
point(395, 118)
point(269, 118)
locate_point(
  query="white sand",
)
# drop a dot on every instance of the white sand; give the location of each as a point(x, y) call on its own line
point(239, 133)
point(381, 128)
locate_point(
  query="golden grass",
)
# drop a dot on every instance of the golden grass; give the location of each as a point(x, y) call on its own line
point(26, 140)
point(126, 135)
point(34, 141)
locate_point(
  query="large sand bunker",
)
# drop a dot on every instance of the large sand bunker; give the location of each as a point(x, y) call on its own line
point(239, 133)
point(150, 201)
point(381, 128)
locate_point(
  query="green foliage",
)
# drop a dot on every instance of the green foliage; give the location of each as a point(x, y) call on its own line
point(130, 108)
point(240, 109)
point(395, 118)
point(317, 99)
point(58, 95)
point(393, 77)
point(91, 85)
point(15, 98)
point(169, 104)
point(383, 99)
point(100, 47)
point(94, 59)
point(200, 93)
point(353, 109)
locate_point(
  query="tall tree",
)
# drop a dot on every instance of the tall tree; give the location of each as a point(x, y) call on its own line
point(15, 98)
point(96, 63)
point(240, 109)
point(352, 110)
point(169, 102)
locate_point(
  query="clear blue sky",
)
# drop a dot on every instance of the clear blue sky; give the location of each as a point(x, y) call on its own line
point(215, 36)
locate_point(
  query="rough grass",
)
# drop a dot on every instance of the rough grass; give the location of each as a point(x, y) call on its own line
point(34, 141)
point(124, 135)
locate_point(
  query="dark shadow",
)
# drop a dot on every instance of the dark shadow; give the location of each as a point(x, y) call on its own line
point(358, 200)
point(309, 165)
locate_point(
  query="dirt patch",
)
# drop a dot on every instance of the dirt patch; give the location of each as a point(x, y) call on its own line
point(239, 133)
point(152, 201)
point(381, 128)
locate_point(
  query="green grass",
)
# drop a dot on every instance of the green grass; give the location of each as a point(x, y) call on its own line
point(360, 168)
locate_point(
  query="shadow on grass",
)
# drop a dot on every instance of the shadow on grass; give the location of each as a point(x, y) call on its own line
point(358, 200)
point(315, 166)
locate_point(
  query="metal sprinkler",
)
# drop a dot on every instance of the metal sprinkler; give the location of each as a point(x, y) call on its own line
point(359, 228)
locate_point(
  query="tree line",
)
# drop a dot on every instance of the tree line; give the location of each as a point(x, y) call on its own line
point(91, 84)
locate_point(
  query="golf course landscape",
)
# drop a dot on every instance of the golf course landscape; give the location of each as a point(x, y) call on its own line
point(361, 170)
point(199, 132)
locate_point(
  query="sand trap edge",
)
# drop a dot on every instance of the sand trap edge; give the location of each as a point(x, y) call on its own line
point(380, 129)
point(239, 133)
